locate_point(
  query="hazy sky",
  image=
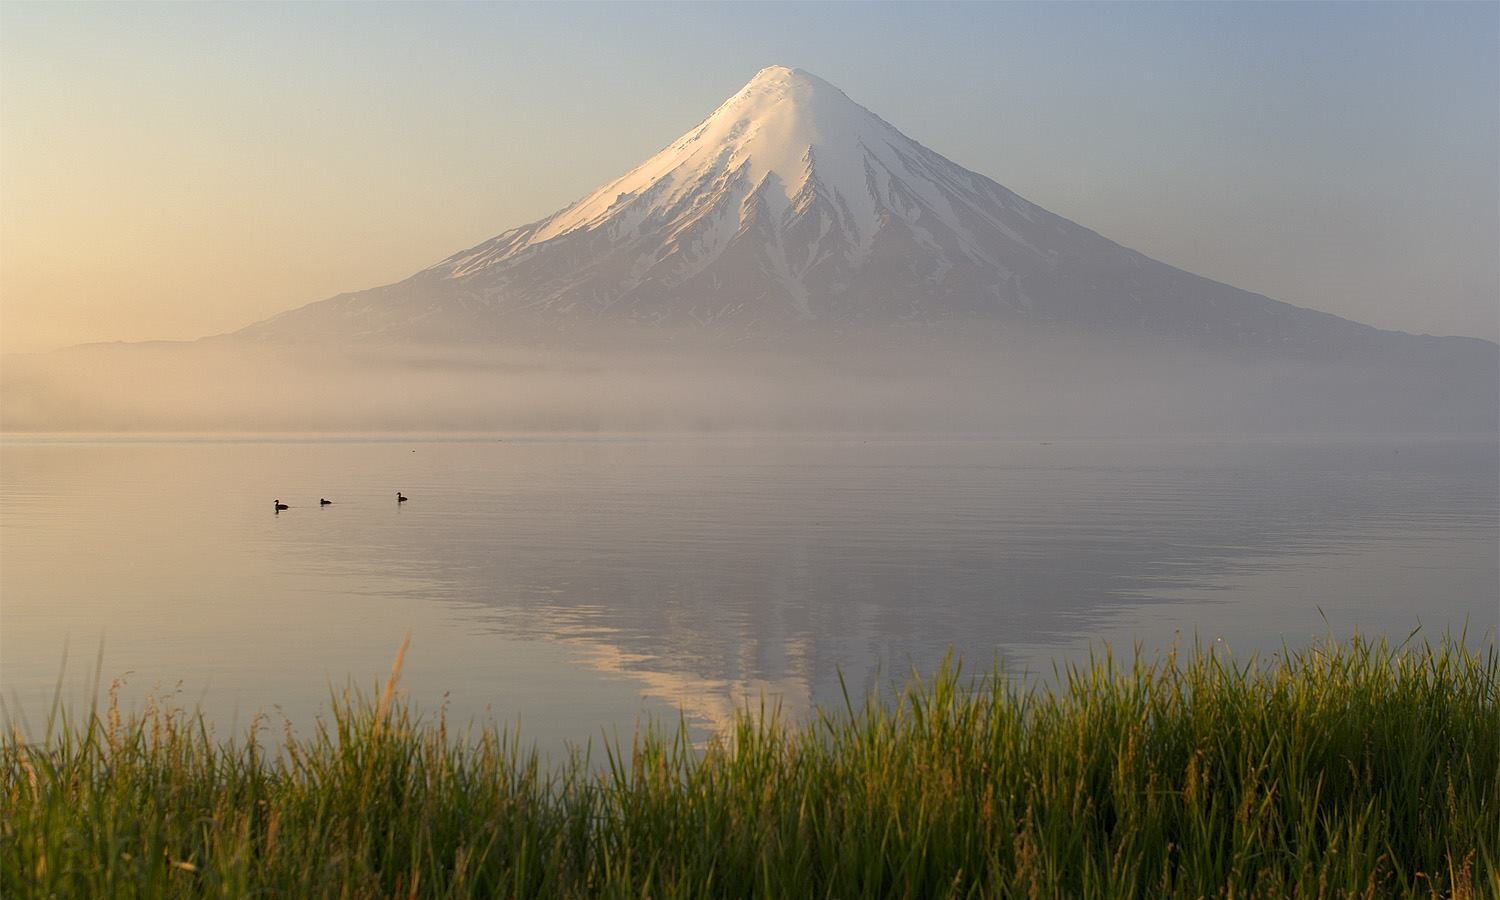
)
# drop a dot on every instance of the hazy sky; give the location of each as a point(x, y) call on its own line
point(175, 170)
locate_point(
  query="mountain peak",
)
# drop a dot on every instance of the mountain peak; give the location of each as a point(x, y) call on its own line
point(792, 192)
point(795, 104)
point(785, 133)
point(788, 81)
point(780, 75)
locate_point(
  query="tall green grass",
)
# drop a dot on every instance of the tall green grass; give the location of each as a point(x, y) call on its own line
point(1353, 769)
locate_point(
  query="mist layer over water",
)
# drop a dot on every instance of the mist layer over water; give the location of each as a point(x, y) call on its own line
point(573, 582)
point(945, 377)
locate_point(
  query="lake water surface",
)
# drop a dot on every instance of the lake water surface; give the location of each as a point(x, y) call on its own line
point(571, 584)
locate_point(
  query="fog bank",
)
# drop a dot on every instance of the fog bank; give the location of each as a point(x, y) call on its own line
point(922, 379)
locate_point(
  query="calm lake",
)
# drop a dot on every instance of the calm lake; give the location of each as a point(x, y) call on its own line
point(571, 584)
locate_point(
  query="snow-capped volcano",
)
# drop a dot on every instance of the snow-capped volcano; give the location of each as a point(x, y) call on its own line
point(791, 261)
point(793, 204)
point(790, 201)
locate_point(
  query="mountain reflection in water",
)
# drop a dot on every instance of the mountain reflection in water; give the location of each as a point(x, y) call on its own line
point(575, 582)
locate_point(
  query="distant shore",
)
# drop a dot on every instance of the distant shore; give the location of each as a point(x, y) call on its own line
point(1356, 768)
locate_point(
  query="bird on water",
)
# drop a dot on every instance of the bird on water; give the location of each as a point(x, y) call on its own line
point(401, 498)
point(280, 506)
point(324, 502)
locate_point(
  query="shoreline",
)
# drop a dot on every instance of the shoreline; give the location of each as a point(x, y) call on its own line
point(1343, 768)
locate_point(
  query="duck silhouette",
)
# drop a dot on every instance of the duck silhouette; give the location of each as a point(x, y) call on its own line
point(401, 498)
point(280, 506)
point(324, 502)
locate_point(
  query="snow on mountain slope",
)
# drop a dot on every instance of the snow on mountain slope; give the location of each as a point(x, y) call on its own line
point(793, 204)
point(786, 138)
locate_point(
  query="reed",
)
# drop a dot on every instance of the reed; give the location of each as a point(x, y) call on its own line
point(1342, 770)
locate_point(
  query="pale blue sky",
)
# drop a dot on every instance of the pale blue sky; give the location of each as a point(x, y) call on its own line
point(171, 170)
